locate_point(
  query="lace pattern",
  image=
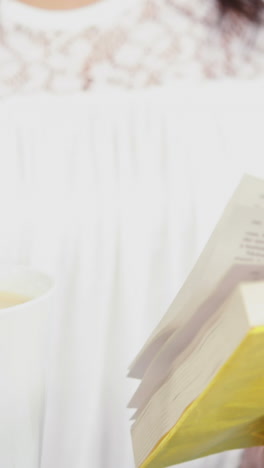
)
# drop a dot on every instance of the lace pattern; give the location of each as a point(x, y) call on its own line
point(153, 43)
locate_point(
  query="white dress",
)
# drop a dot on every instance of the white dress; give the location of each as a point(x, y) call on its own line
point(114, 191)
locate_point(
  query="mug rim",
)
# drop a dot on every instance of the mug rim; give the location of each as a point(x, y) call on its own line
point(34, 300)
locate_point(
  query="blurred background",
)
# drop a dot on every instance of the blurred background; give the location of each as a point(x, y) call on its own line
point(125, 126)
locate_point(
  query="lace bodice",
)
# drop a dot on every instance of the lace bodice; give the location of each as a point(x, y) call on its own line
point(125, 45)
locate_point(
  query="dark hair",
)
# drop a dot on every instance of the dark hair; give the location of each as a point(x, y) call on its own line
point(251, 10)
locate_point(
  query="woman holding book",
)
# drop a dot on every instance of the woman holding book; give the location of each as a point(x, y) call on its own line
point(114, 167)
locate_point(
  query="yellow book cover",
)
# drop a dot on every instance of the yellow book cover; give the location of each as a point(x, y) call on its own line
point(229, 414)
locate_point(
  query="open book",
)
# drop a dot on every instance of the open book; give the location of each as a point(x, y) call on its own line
point(202, 369)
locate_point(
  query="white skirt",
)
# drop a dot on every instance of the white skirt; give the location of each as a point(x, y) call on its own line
point(115, 195)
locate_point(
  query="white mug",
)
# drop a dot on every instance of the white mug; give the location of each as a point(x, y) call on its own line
point(23, 354)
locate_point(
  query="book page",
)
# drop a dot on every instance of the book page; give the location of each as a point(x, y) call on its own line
point(242, 241)
point(187, 381)
point(237, 238)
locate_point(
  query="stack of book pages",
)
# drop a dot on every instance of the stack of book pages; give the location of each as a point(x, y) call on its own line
point(201, 372)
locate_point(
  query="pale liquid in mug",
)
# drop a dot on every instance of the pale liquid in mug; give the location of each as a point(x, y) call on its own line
point(9, 299)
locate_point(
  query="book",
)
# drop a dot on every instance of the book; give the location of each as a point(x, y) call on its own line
point(201, 372)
